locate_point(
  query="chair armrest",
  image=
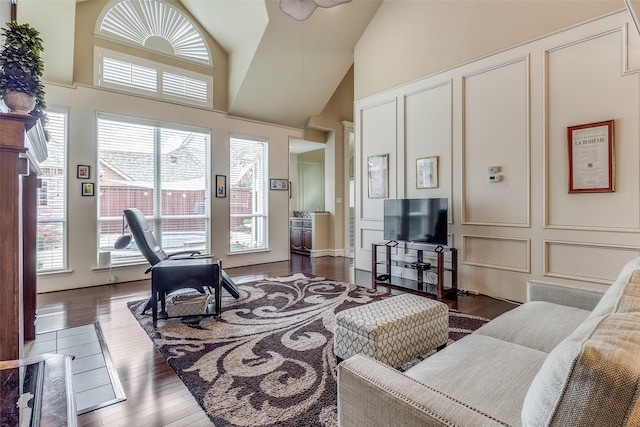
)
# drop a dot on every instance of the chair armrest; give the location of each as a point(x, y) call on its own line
point(373, 394)
point(565, 295)
point(187, 252)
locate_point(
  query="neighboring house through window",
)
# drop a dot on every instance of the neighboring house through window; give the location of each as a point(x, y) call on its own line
point(248, 187)
point(162, 170)
point(51, 239)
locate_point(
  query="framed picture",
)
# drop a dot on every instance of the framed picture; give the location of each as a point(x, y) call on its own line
point(279, 184)
point(221, 186)
point(87, 188)
point(378, 175)
point(591, 158)
point(84, 172)
point(427, 172)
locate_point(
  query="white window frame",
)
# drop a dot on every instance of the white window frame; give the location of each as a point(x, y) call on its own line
point(157, 219)
point(133, 22)
point(65, 218)
point(264, 215)
point(101, 53)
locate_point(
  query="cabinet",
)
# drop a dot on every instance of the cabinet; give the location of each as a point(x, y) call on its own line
point(16, 215)
point(309, 234)
point(415, 273)
point(301, 235)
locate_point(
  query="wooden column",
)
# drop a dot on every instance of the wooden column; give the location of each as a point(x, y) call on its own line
point(12, 133)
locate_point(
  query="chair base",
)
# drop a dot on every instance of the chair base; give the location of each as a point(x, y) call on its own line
point(227, 284)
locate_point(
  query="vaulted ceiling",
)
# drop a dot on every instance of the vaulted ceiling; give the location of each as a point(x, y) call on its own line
point(280, 70)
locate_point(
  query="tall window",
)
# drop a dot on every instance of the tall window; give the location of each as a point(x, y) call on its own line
point(248, 194)
point(51, 241)
point(161, 170)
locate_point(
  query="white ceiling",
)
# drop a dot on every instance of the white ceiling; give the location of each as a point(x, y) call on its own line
point(280, 70)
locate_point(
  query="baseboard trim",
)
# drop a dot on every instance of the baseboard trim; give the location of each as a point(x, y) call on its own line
point(326, 252)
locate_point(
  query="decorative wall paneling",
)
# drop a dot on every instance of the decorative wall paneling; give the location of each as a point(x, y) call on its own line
point(369, 236)
point(380, 133)
point(497, 252)
point(496, 133)
point(512, 110)
point(427, 133)
point(589, 262)
point(377, 126)
point(575, 94)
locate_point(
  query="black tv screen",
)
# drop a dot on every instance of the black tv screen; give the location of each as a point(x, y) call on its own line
point(416, 220)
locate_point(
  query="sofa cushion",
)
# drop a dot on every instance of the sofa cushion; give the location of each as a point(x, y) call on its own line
point(485, 373)
point(591, 378)
point(625, 285)
point(536, 324)
point(629, 300)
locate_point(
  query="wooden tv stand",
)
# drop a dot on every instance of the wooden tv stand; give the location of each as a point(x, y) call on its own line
point(381, 269)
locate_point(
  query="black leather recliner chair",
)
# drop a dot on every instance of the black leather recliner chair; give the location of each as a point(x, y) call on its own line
point(153, 252)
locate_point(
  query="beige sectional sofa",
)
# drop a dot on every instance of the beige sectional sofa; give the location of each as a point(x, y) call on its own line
point(566, 357)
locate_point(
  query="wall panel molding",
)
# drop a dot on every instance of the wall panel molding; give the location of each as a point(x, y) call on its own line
point(369, 236)
point(496, 132)
point(379, 136)
point(589, 262)
point(428, 132)
point(576, 72)
point(502, 253)
point(511, 109)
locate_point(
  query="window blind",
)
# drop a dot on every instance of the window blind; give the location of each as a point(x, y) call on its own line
point(161, 170)
point(248, 191)
point(131, 74)
point(51, 242)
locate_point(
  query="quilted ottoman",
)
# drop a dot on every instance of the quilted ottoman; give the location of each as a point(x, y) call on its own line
point(393, 331)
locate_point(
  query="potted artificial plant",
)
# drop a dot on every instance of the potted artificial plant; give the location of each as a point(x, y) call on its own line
point(21, 69)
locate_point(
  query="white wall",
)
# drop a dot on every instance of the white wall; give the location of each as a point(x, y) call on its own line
point(410, 39)
point(83, 104)
point(512, 110)
point(5, 12)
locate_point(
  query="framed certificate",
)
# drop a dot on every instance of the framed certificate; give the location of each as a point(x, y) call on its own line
point(591, 158)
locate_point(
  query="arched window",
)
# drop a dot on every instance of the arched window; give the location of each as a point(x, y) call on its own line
point(153, 25)
point(160, 27)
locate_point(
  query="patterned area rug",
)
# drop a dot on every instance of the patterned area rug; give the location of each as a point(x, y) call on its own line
point(269, 361)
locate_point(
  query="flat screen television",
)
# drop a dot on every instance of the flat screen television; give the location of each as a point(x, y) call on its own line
point(416, 220)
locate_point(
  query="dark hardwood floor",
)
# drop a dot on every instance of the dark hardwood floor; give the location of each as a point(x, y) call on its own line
point(155, 394)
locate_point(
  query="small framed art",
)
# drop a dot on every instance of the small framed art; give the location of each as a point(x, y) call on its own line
point(279, 184)
point(221, 186)
point(84, 172)
point(427, 172)
point(378, 174)
point(87, 188)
